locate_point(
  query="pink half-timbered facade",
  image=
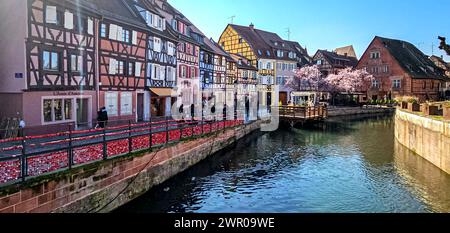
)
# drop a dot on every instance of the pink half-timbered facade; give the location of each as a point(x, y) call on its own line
point(57, 81)
point(122, 61)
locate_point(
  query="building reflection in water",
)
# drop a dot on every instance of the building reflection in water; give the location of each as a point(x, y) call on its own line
point(428, 181)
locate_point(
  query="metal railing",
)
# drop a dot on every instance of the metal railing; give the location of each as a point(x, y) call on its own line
point(32, 156)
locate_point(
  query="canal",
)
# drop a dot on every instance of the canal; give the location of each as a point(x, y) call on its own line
point(345, 165)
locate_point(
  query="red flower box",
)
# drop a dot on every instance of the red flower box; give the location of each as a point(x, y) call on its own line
point(9, 170)
point(221, 125)
point(41, 164)
point(197, 130)
point(174, 135)
point(214, 127)
point(87, 154)
point(115, 148)
point(206, 129)
point(140, 143)
point(159, 138)
point(187, 132)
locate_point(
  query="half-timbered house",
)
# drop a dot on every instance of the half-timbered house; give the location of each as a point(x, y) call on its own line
point(188, 55)
point(161, 73)
point(122, 45)
point(331, 62)
point(48, 61)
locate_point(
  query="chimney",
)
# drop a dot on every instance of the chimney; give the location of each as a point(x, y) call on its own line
point(442, 57)
point(252, 26)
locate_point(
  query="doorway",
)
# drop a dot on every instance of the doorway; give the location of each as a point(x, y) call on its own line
point(140, 107)
point(283, 98)
point(82, 113)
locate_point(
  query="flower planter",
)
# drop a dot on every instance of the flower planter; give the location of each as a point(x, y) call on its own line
point(446, 112)
point(414, 107)
point(431, 110)
point(404, 105)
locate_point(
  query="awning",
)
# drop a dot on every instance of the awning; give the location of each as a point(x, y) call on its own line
point(163, 92)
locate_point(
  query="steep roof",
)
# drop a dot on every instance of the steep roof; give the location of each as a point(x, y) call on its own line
point(441, 62)
point(118, 10)
point(300, 51)
point(334, 59)
point(259, 46)
point(411, 59)
point(168, 33)
point(349, 50)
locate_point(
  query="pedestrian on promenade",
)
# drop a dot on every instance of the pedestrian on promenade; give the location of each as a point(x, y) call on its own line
point(22, 125)
point(102, 118)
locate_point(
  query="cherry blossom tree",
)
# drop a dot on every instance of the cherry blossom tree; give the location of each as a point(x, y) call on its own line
point(306, 78)
point(348, 81)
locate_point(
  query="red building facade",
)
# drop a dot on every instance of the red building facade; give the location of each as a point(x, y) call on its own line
point(400, 69)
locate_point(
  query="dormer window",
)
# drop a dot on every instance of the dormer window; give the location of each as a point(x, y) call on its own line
point(268, 53)
point(241, 40)
point(276, 43)
point(259, 52)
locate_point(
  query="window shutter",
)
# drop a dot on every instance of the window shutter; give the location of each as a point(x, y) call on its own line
point(90, 26)
point(134, 37)
point(164, 24)
point(68, 20)
point(51, 14)
point(112, 66)
point(119, 33)
point(138, 67)
point(113, 32)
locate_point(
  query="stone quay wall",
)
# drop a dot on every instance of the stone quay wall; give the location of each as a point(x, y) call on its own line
point(348, 111)
point(96, 187)
point(427, 137)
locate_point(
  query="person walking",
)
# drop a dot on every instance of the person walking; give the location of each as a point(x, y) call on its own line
point(102, 118)
point(22, 125)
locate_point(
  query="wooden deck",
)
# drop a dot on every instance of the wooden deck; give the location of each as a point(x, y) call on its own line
point(294, 115)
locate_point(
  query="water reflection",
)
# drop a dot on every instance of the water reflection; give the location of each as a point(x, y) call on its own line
point(344, 165)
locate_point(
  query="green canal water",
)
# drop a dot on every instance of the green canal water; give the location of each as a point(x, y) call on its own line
point(345, 165)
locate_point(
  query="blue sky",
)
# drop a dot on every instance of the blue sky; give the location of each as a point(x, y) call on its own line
point(327, 24)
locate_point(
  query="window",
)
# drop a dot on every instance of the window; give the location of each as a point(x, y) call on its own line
point(241, 40)
point(396, 84)
point(171, 49)
point(50, 60)
point(375, 83)
point(53, 16)
point(76, 63)
point(386, 69)
point(183, 72)
point(131, 68)
point(193, 72)
point(55, 110)
point(259, 52)
point(319, 62)
point(120, 67)
point(157, 44)
point(375, 55)
point(111, 99)
point(103, 30)
point(68, 20)
point(268, 53)
point(280, 53)
point(126, 36)
point(424, 84)
point(126, 103)
point(175, 25)
point(269, 66)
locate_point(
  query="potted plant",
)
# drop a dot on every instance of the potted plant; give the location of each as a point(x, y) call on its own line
point(413, 105)
point(431, 110)
point(446, 110)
